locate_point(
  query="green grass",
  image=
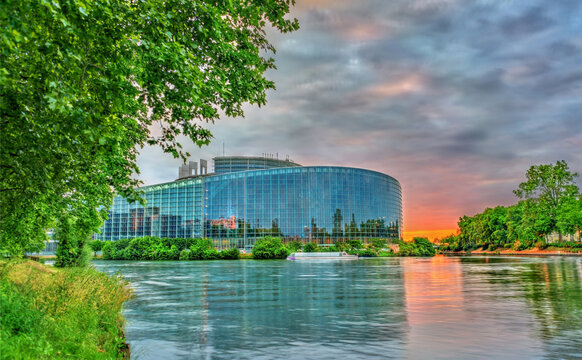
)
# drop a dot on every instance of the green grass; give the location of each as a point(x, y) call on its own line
point(49, 313)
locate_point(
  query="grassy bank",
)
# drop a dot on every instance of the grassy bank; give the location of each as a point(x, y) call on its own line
point(49, 313)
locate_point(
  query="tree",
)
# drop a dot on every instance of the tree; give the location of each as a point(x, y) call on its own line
point(96, 246)
point(73, 249)
point(547, 188)
point(569, 216)
point(84, 85)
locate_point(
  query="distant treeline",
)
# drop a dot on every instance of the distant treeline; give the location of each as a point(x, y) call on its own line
point(551, 204)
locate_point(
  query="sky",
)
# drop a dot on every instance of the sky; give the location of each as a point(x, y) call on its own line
point(456, 99)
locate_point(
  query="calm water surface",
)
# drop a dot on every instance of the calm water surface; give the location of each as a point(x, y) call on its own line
point(400, 308)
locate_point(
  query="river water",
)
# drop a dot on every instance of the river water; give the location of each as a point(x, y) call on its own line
point(391, 308)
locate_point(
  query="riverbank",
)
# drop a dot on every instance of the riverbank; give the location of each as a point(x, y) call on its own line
point(527, 252)
point(60, 313)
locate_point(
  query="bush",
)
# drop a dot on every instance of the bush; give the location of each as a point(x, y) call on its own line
point(567, 244)
point(230, 254)
point(310, 247)
point(364, 253)
point(378, 243)
point(541, 244)
point(355, 244)
point(269, 248)
point(154, 248)
point(294, 246)
point(424, 247)
point(418, 247)
point(210, 254)
point(389, 253)
point(184, 254)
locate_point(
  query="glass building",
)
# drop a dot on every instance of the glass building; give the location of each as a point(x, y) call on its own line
point(248, 198)
point(228, 164)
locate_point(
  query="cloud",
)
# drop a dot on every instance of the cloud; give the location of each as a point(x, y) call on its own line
point(406, 85)
point(456, 99)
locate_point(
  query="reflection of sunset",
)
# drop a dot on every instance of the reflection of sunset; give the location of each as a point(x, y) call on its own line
point(431, 286)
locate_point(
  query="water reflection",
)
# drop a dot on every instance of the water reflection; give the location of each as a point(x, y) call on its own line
point(277, 309)
point(443, 307)
point(455, 310)
point(554, 295)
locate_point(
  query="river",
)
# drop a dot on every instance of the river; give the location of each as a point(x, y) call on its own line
point(391, 308)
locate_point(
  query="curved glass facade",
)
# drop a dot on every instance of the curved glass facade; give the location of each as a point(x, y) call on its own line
point(318, 204)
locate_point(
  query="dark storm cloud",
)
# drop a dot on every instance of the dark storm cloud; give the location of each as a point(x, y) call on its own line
point(455, 98)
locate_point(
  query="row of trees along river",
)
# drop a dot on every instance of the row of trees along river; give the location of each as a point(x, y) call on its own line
point(549, 213)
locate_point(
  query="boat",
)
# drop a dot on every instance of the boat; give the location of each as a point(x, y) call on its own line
point(322, 256)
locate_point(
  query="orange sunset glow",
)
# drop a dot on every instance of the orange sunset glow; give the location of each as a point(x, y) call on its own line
point(432, 235)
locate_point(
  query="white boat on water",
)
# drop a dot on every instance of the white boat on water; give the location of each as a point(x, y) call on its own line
point(322, 256)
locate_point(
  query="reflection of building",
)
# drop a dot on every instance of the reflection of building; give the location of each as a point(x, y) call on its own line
point(249, 197)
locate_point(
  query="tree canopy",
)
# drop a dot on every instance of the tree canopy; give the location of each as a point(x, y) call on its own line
point(84, 85)
point(551, 203)
point(551, 194)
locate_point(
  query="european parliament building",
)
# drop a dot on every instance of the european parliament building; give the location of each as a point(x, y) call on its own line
point(250, 197)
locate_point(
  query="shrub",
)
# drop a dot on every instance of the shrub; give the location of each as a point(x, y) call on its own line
point(389, 253)
point(378, 243)
point(107, 251)
point(417, 247)
point(310, 247)
point(269, 248)
point(355, 244)
point(424, 247)
point(364, 253)
point(210, 254)
point(185, 254)
point(154, 248)
point(294, 246)
point(140, 249)
point(541, 244)
point(230, 254)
